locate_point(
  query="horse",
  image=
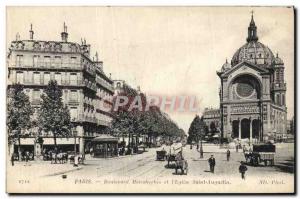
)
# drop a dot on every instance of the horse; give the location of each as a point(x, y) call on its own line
point(80, 157)
point(248, 156)
point(181, 163)
point(60, 157)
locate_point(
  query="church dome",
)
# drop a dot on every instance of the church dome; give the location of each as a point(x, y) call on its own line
point(278, 60)
point(253, 51)
point(226, 66)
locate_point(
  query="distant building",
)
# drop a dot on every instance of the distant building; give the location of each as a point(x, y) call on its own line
point(212, 117)
point(85, 86)
point(120, 86)
point(253, 92)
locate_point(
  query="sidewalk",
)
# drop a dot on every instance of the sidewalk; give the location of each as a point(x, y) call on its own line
point(41, 168)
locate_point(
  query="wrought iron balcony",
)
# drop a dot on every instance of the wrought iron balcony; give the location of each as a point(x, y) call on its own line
point(48, 65)
point(90, 70)
point(104, 84)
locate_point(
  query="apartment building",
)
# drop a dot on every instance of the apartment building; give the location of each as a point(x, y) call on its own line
point(87, 90)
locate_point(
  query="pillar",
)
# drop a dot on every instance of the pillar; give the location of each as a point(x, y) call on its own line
point(81, 145)
point(37, 149)
point(80, 136)
point(240, 129)
point(251, 131)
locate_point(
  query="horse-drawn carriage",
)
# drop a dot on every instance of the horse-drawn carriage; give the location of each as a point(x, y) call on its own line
point(175, 155)
point(181, 163)
point(161, 155)
point(62, 157)
point(261, 153)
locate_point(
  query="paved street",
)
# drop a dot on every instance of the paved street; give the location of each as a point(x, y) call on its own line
point(145, 165)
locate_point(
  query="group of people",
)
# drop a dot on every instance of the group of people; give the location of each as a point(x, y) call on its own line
point(242, 168)
point(25, 156)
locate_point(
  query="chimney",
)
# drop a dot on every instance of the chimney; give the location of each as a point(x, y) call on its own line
point(31, 33)
point(17, 36)
point(64, 34)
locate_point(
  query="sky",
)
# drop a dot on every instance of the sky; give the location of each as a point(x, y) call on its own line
point(167, 51)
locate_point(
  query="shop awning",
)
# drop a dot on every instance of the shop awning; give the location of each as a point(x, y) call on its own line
point(105, 138)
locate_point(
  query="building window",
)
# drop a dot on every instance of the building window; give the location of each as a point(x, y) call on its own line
point(57, 77)
point(19, 60)
point(73, 113)
point(73, 95)
point(278, 99)
point(264, 116)
point(73, 79)
point(36, 96)
point(281, 75)
point(57, 61)
point(265, 108)
point(73, 62)
point(35, 61)
point(36, 78)
point(20, 77)
point(47, 61)
point(277, 75)
point(283, 99)
point(46, 78)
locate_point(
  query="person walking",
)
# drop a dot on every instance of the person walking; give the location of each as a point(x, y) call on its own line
point(242, 169)
point(212, 163)
point(228, 154)
point(12, 159)
point(237, 148)
point(26, 158)
point(76, 160)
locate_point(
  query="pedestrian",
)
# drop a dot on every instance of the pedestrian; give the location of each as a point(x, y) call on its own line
point(228, 154)
point(242, 169)
point(27, 156)
point(76, 160)
point(12, 159)
point(212, 163)
point(237, 148)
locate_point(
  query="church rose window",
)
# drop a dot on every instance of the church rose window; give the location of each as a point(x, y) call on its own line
point(244, 89)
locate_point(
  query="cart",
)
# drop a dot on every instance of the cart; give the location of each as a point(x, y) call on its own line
point(261, 153)
point(161, 155)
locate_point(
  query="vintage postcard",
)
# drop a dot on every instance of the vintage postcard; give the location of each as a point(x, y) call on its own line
point(150, 100)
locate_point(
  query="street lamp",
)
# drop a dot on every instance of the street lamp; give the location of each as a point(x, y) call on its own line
point(75, 148)
point(201, 147)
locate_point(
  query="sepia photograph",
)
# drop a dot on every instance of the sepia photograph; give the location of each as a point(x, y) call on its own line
point(150, 99)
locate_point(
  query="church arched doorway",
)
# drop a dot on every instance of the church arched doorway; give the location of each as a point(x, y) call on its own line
point(235, 128)
point(245, 128)
point(255, 128)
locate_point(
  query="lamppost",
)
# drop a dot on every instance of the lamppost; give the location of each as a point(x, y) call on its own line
point(75, 148)
point(201, 147)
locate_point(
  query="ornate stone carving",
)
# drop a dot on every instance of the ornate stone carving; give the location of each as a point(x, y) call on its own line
point(245, 109)
point(36, 46)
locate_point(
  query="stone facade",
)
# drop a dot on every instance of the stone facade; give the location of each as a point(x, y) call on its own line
point(87, 90)
point(252, 93)
point(212, 116)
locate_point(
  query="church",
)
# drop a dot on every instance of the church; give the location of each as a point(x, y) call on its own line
point(252, 92)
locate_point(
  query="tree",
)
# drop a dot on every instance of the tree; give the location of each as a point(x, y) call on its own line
point(140, 121)
point(19, 112)
point(197, 129)
point(54, 116)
